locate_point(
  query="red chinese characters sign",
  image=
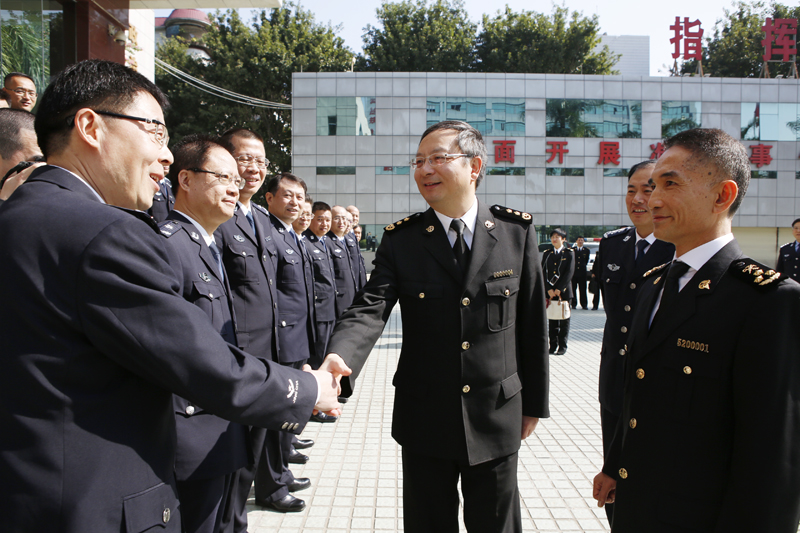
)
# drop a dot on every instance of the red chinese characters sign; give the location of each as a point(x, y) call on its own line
point(760, 155)
point(504, 151)
point(609, 153)
point(692, 39)
point(778, 39)
point(658, 150)
point(557, 148)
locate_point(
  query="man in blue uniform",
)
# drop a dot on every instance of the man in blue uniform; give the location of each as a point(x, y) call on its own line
point(579, 277)
point(324, 278)
point(345, 269)
point(210, 449)
point(709, 436)
point(99, 337)
point(789, 255)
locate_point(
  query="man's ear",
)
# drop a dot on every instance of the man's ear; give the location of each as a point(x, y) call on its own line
point(727, 191)
point(183, 180)
point(476, 164)
point(89, 127)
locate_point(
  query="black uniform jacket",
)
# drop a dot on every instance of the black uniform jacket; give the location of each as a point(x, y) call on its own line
point(208, 446)
point(296, 331)
point(709, 437)
point(163, 201)
point(558, 273)
point(324, 282)
point(344, 271)
point(620, 280)
point(250, 266)
point(581, 260)
point(357, 260)
point(789, 261)
point(95, 339)
point(474, 354)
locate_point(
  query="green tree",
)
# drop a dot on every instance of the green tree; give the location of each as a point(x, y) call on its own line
point(735, 49)
point(256, 60)
point(415, 37)
point(562, 43)
point(26, 45)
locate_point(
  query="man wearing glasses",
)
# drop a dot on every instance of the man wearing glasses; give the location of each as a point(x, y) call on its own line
point(21, 91)
point(473, 371)
point(98, 337)
point(210, 450)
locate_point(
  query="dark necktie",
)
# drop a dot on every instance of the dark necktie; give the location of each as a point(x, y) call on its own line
point(218, 258)
point(640, 246)
point(676, 270)
point(797, 247)
point(460, 247)
point(252, 222)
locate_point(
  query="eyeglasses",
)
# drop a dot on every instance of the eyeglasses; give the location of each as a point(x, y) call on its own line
point(23, 92)
point(247, 160)
point(340, 219)
point(160, 135)
point(435, 160)
point(223, 178)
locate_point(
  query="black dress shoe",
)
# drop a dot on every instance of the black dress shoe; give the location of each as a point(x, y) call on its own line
point(297, 457)
point(287, 504)
point(322, 417)
point(561, 351)
point(342, 399)
point(299, 483)
point(594, 309)
point(552, 350)
point(302, 444)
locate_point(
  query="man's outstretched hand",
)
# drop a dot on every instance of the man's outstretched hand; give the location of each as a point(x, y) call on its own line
point(328, 377)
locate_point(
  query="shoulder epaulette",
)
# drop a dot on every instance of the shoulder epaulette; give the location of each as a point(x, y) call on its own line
point(169, 228)
point(656, 269)
point(788, 244)
point(507, 212)
point(615, 232)
point(755, 274)
point(260, 208)
point(141, 215)
point(403, 222)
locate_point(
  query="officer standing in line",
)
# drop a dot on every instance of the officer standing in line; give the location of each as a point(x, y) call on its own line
point(579, 276)
point(250, 256)
point(789, 255)
point(324, 278)
point(624, 256)
point(344, 268)
point(210, 449)
point(558, 265)
point(359, 268)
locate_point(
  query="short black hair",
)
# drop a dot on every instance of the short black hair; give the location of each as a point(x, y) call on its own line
point(190, 152)
point(320, 206)
point(226, 139)
point(275, 181)
point(581, 237)
point(17, 75)
point(795, 221)
point(12, 123)
point(639, 166)
point(90, 83)
point(715, 147)
point(559, 231)
point(469, 141)
point(4, 95)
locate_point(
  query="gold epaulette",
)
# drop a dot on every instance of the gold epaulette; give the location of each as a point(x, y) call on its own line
point(507, 212)
point(656, 269)
point(755, 274)
point(403, 222)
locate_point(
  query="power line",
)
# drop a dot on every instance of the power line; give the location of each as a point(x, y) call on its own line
point(219, 92)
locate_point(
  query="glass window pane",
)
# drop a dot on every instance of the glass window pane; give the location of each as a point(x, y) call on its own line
point(677, 116)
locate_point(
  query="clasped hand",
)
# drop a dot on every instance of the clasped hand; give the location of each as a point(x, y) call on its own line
point(328, 377)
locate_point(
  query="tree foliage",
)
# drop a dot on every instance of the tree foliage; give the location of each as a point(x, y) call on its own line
point(415, 37)
point(256, 60)
point(735, 49)
point(562, 43)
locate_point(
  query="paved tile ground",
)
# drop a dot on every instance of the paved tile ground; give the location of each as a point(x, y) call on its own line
point(355, 465)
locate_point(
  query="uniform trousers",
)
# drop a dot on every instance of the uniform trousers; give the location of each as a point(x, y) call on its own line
point(206, 503)
point(430, 494)
point(608, 422)
point(559, 331)
point(579, 285)
point(324, 330)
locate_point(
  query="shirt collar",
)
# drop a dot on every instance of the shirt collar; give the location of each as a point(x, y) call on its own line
point(287, 227)
point(206, 237)
point(650, 238)
point(245, 210)
point(697, 257)
point(97, 194)
point(469, 218)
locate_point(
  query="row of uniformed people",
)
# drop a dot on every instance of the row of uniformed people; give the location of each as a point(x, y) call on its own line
point(268, 289)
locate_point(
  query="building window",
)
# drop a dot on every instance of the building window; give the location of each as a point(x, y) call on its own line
point(559, 171)
point(610, 119)
point(679, 116)
point(764, 174)
point(490, 116)
point(770, 122)
point(333, 171)
point(346, 116)
point(401, 171)
point(505, 171)
point(615, 172)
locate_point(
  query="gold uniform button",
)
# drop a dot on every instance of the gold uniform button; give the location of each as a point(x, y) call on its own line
point(210, 295)
point(640, 373)
point(633, 285)
point(632, 423)
point(422, 295)
point(507, 292)
point(624, 329)
point(465, 302)
point(165, 516)
point(687, 370)
point(465, 345)
point(465, 389)
point(627, 308)
point(623, 473)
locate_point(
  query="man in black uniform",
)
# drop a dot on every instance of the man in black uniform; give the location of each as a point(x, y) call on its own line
point(346, 271)
point(624, 256)
point(709, 437)
point(579, 277)
point(789, 255)
point(359, 268)
point(324, 278)
point(558, 265)
point(472, 375)
point(99, 337)
point(210, 449)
